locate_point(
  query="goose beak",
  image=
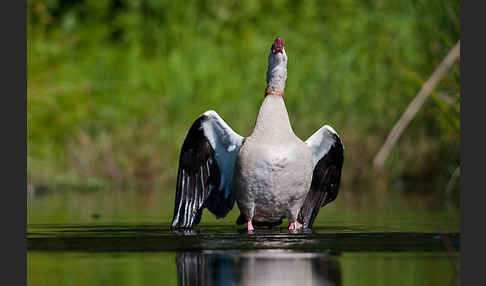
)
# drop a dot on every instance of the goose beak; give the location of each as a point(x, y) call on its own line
point(277, 46)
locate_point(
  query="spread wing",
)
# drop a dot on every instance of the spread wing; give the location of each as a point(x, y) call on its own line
point(205, 175)
point(327, 155)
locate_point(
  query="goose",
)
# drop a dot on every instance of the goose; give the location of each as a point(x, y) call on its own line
point(271, 174)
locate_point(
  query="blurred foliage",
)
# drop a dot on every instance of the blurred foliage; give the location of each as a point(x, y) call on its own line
point(114, 85)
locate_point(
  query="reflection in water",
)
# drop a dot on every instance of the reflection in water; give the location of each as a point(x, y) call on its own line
point(262, 267)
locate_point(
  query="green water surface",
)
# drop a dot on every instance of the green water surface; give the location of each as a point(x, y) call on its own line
point(123, 238)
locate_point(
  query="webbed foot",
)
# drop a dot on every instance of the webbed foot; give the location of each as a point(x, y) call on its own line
point(250, 227)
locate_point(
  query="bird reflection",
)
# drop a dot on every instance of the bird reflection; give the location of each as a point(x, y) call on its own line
point(262, 267)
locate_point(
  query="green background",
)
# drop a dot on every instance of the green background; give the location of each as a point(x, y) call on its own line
point(113, 85)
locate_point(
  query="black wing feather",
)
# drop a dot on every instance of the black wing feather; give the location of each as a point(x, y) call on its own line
point(326, 179)
point(197, 177)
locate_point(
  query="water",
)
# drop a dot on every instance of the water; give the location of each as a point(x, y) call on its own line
point(73, 241)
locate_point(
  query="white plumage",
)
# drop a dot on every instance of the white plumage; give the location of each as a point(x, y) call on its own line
point(272, 173)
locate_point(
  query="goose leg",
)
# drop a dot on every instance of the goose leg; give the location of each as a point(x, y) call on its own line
point(292, 215)
point(292, 226)
point(250, 226)
point(295, 225)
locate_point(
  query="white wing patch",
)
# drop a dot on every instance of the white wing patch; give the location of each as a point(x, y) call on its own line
point(320, 142)
point(226, 144)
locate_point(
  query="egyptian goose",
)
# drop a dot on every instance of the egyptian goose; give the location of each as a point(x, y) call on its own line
point(272, 174)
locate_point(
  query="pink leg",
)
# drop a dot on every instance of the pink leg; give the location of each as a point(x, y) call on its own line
point(250, 226)
point(292, 226)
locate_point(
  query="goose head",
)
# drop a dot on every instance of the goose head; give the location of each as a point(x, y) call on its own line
point(277, 69)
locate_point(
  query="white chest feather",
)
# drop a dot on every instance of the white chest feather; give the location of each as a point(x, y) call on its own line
point(274, 167)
